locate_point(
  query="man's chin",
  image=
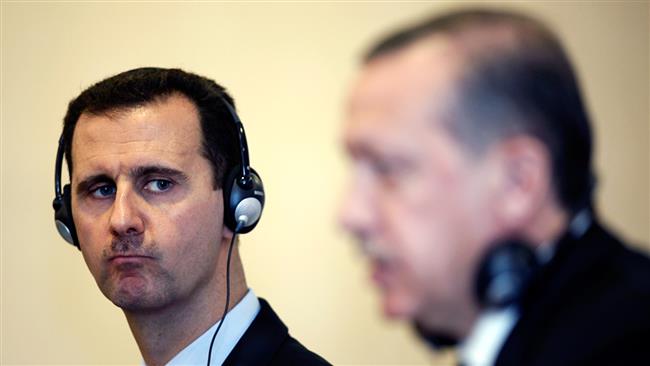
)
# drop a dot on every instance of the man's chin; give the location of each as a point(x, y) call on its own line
point(398, 308)
point(132, 294)
point(133, 304)
point(433, 338)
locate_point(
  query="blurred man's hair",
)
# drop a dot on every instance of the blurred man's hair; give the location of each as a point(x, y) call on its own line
point(516, 79)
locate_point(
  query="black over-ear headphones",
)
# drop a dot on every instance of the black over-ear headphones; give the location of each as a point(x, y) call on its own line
point(504, 273)
point(243, 191)
point(501, 279)
point(508, 267)
point(62, 204)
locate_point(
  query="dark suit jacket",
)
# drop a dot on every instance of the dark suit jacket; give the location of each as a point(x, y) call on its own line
point(267, 342)
point(590, 305)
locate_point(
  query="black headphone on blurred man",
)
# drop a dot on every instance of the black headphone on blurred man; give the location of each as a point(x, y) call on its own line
point(505, 272)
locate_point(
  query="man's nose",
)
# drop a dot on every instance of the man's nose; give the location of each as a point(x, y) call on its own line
point(356, 213)
point(126, 216)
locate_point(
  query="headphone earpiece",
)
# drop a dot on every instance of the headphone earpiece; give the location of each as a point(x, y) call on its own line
point(504, 273)
point(63, 217)
point(243, 200)
point(62, 203)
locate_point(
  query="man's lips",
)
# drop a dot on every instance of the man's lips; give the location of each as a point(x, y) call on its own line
point(380, 262)
point(121, 259)
point(380, 272)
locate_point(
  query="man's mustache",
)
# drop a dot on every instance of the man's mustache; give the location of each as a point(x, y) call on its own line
point(373, 250)
point(130, 243)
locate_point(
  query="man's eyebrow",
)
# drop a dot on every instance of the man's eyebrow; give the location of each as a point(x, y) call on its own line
point(142, 171)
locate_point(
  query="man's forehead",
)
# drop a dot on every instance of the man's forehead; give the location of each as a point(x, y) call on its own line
point(169, 126)
point(404, 90)
point(169, 116)
point(408, 73)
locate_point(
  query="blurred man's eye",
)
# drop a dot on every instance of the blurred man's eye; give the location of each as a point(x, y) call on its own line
point(383, 168)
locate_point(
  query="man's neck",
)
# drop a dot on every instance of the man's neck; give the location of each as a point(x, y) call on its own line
point(547, 226)
point(542, 231)
point(163, 333)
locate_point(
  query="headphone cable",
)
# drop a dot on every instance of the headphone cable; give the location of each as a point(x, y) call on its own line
point(225, 310)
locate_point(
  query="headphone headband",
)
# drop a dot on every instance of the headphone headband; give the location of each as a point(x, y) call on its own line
point(241, 136)
point(58, 167)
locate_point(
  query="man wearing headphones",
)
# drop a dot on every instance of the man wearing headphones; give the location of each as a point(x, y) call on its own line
point(160, 187)
point(471, 197)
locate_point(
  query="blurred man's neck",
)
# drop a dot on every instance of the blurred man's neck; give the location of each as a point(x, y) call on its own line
point(547, 226)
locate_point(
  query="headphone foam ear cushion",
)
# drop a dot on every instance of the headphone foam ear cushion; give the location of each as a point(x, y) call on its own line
point(228, 209)
point(63, 217)
point(240, 200)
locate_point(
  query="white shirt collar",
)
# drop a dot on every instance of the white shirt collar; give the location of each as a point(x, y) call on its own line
point(237, 322)
point(489, 333)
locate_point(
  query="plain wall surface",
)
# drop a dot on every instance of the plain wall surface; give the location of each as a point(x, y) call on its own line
point(289, 66)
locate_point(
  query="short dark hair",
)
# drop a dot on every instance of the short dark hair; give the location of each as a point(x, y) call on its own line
point(523, 85)
point(146, 85)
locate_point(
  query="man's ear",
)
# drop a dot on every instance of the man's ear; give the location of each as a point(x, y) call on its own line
point(525, 180)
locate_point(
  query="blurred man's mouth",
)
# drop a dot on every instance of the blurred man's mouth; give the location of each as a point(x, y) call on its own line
point(379, 273)
point(379, 260)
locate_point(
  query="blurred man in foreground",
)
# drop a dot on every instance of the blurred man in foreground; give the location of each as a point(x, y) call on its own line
point(471, 196)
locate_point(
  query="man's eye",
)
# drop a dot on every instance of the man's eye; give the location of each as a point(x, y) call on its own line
point(103, 191)
point(158, 185)
point(383, 168)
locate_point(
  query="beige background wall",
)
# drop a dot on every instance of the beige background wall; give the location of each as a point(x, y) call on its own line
point(288, 65)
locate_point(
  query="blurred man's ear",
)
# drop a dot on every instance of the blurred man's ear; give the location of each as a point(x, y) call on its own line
point(525, 180)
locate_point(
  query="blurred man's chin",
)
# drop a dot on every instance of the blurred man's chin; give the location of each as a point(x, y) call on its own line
point(398, 307)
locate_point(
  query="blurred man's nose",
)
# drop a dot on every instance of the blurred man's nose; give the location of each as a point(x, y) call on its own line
point(356, 214)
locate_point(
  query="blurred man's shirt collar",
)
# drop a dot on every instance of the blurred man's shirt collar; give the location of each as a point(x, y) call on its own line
point(483, 344)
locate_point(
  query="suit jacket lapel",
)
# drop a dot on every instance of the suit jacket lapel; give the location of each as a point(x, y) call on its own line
point(261, 340)
point(573, 263)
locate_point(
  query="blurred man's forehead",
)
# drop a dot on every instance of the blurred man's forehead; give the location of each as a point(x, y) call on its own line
point(407, 83)
point(409, 72)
